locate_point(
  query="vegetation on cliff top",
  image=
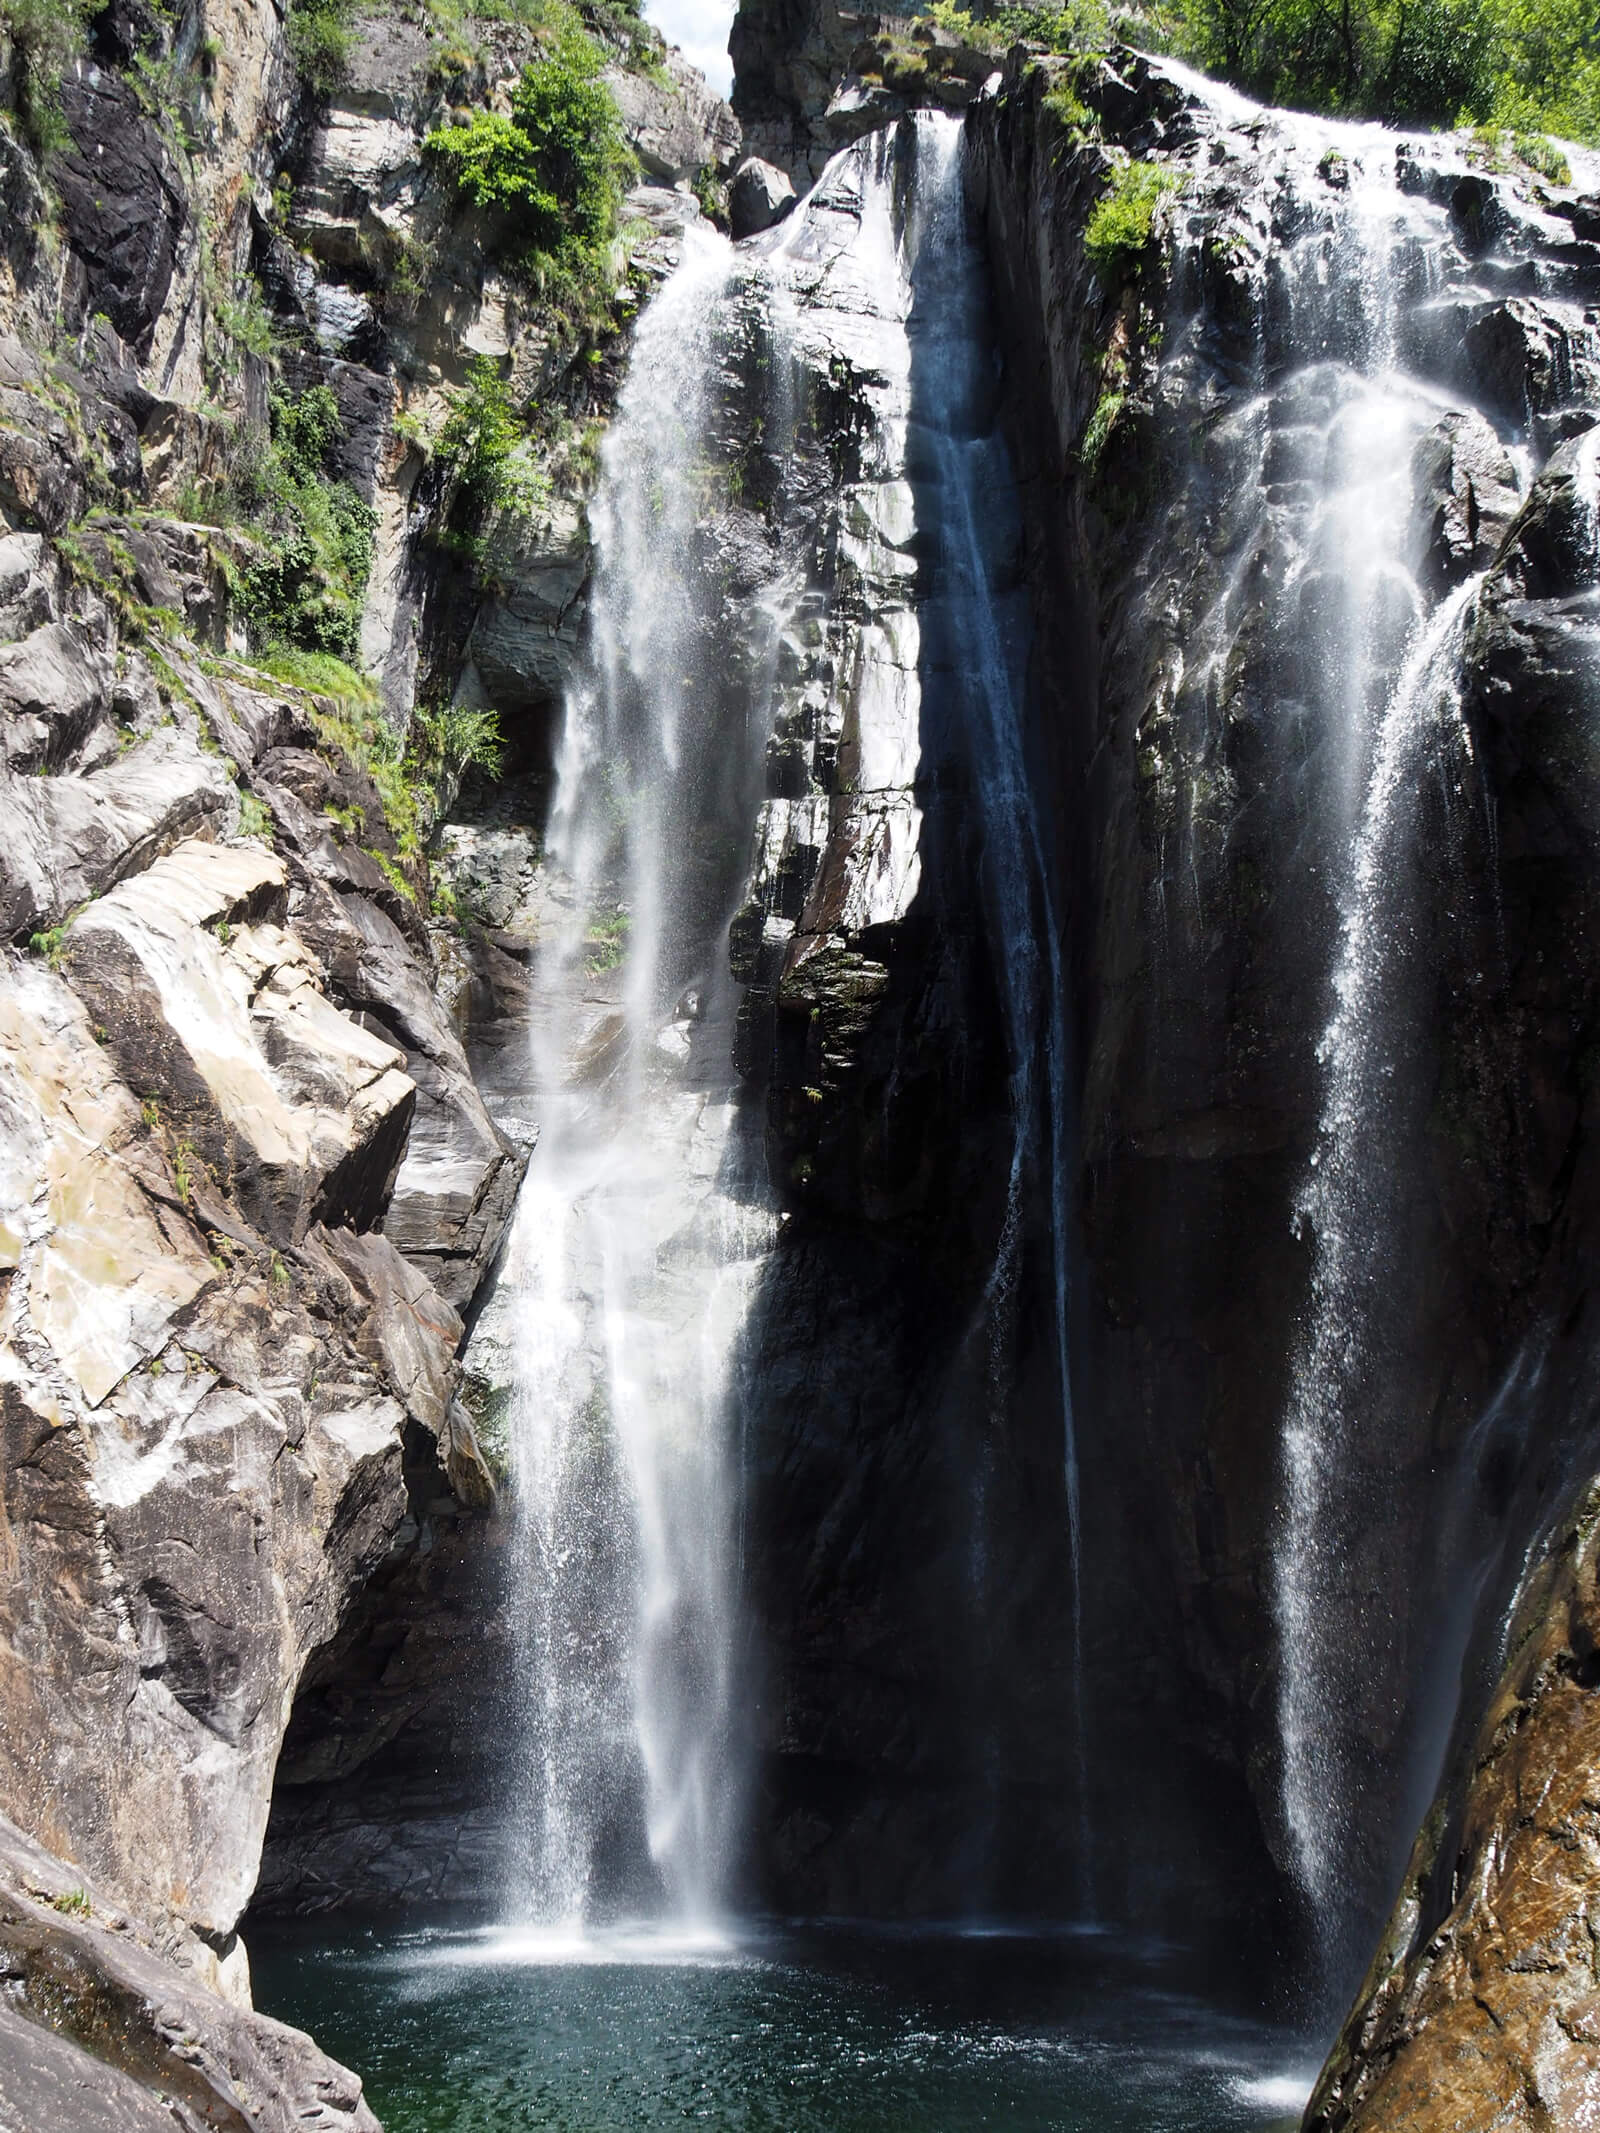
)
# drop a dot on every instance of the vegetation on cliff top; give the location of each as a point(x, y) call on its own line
point(551, 172)
point(1526, 67)
point(1121, 223)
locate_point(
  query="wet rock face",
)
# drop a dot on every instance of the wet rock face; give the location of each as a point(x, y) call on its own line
point(1199, 761)
point(1482, 2007)
point(899, 1704)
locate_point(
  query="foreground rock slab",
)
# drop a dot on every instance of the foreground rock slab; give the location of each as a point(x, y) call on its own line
point(106, 2026)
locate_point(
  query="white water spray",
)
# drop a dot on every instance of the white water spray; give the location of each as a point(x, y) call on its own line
point(641, 1222)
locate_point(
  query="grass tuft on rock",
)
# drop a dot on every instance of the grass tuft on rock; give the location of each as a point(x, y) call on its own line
point(1121, 225)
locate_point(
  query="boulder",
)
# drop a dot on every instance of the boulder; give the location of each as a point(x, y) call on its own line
point(110, 1267)
point(1465, 487)
point(759, 196)
point(408, 1330)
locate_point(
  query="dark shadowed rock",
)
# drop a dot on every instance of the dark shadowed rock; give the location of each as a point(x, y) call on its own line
point(758, 197)
point(123, 198)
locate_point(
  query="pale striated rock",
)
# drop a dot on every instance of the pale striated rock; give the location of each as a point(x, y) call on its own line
point(200, 1464)
point(66, 839)
point(677, 127)
point(52, 687)
point(26, 596)
point(101, 2034)
point(299, 1113)
point(110, 1265)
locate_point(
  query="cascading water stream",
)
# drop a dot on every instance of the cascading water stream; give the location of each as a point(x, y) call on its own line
point(1371, 666)
point(645, 1215)
point(1328, 1633)
point(642, 1220)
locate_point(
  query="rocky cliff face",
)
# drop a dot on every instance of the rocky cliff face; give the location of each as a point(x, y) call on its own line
point(1174, 410)
point(250, 1181)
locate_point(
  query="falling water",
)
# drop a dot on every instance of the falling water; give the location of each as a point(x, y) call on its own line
point(645, 1215)
point(1330, 1632)
point(976, 633)
point(643, 1218)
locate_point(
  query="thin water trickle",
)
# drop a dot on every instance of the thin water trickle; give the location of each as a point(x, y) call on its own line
point(968, 496)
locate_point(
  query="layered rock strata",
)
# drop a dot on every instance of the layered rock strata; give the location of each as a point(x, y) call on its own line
point(250, 1183)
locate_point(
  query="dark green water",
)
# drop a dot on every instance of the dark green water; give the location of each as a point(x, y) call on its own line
point(470, 2032)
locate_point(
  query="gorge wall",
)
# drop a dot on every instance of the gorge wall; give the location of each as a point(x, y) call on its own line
point(253, 1182)
point(1157, 1004)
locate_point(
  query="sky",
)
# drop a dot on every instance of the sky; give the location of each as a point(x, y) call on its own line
point(701, 27)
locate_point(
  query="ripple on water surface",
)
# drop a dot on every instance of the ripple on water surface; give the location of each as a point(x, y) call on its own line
point(507, 2031)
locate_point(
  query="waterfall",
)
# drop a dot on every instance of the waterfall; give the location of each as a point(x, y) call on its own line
point(646, 1216)
point(1333, 1635)
point(643, 1216)
point(1365, 661)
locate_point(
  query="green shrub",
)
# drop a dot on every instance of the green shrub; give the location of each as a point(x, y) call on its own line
point(320, 673)
point(485, 448)
point(448, 739)
point(254, 818)
point(1540, 153)
point(1097, 430)
point(1070, 26)
point(479, 435)
point(46, 36)
point(320, 39)
point(552, 172)
point(1121, 224)
point(304, 590)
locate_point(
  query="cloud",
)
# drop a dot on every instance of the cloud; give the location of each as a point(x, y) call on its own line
point(701, 28)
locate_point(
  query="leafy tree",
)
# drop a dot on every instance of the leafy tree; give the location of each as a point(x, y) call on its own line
point(1527, 65)
point(306, 587)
